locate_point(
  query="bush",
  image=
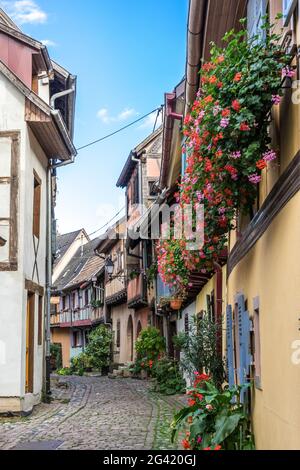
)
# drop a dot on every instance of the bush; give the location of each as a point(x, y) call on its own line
point(56, 356)
point(169, 379)
point(80, 364)
point(214, 419)
point(98, 349)
point(200, 349)
point(65, 371)
point(150, 344)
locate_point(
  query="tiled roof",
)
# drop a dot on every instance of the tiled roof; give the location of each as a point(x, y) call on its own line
point(63, 243)
point(81, 267)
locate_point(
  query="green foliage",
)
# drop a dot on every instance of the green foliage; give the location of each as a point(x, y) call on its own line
point(80, 364)
point(215, 419)
point(56, 356)
point(65, 371)
point(98, 349)
point(151, 274)
point(200, 348)
point(169, 379)
point(150, 343)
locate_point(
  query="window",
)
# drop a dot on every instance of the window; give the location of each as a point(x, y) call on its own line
point(152, 188)
point(36, 205)
point(9, 190)
point(86, 297)
point(74, 300)
point(255, 12)
point(63, 302)
point(77, 339)
point(210, 303)
point(40, 321)
point(118, 335)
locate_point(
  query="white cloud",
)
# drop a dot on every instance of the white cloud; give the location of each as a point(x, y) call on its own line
point(125, 114)
point(25, 11)
point(48, 43)
point(150, 121)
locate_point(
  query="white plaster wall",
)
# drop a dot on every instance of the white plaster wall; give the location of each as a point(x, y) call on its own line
point(13, 297)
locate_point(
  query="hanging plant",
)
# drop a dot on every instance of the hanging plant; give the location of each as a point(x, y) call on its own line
point(227, 144)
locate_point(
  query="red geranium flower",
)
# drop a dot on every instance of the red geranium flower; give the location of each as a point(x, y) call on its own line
point(261, 164)
point(244, 127)
point(237, 77)
point(186, 444)
point(236, 105)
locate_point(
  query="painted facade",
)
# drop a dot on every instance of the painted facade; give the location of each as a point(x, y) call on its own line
point(78, 300)
point(26, 116)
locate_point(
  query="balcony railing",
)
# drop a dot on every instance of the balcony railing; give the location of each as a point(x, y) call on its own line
point(81, 316)
point(137, 291)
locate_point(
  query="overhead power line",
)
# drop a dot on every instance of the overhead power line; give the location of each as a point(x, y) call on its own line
point(117, 131)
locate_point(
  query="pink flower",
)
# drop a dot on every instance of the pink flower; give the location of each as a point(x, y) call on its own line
point(236, 154)
point(199, 440)
point(209, 407)
point(287, 72)
point(255, 178)
point(269, 156)
point(276, 99)
point(224, 122)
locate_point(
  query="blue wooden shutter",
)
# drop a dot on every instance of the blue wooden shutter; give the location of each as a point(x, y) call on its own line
point(244, 324)
point(255, 11)
point(229, 346)
point(288, 7)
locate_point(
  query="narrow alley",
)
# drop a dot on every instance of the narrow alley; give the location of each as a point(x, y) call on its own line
point(94, 413)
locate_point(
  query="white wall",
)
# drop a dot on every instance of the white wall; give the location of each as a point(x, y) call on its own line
point(13, 297)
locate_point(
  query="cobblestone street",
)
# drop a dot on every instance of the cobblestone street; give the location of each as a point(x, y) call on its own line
point(94, 413)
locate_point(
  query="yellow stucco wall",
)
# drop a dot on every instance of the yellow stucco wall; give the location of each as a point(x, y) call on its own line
point(62, 336)
point(271, 271)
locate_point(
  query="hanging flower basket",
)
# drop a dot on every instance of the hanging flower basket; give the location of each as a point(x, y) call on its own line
point(227, 146)
point(176, 304)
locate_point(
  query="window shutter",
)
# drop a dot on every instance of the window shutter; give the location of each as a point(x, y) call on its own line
point(244, 343)
point(288, 7)
point(229, 346)
point(255, 12)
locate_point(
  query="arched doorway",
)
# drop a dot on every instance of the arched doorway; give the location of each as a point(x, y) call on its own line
point(130, 338)
point(138, 329)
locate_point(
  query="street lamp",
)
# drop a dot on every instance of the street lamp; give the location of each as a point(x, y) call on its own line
point(109, 267)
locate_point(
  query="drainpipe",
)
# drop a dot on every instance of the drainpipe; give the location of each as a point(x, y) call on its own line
point(48, 282)
point(60, 95)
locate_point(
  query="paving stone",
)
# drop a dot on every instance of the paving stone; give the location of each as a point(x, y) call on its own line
point(94, 413)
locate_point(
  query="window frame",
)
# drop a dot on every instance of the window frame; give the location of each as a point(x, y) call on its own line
point(12, 219)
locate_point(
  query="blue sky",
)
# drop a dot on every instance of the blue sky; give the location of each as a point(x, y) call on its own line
point(126, 55)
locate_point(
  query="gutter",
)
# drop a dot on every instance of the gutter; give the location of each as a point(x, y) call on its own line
point(64, 132)
point(170, 116)
point(195, 39)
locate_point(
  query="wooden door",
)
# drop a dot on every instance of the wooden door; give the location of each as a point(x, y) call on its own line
point(29, 343)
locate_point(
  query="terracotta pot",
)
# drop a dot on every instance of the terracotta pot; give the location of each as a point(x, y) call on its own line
point(175, 304)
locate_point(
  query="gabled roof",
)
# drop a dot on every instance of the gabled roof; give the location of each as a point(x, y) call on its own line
point(51, 130)
point(130, 164)
point(7, 26)
point(81, 268)
point(63, 243)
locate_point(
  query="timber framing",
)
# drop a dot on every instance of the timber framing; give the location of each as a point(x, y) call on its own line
point(287, 185)
point(34, 288)
point(12, 220)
